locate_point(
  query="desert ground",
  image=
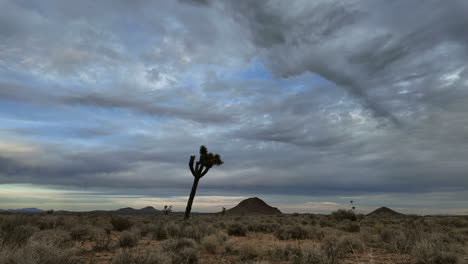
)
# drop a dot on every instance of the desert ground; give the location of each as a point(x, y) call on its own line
point(341, 237)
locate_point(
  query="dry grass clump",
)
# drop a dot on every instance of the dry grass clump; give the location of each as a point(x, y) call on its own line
point(250, 251)
point(213, 243)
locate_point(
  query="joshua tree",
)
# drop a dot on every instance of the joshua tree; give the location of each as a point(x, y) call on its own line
point(202, 166)
point(167, 209)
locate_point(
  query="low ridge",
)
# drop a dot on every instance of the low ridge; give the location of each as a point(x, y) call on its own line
point(253, 205)
point(384, 211)
point(146, 210)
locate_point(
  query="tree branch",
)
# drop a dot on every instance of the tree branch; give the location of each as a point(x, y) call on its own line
point(192, 160)
point(205, 171)
point(201, 169)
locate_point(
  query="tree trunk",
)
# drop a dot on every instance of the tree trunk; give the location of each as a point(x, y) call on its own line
point(192, 196)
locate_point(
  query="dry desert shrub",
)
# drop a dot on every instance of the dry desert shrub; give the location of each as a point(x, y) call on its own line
point(101, 238)
point(236, 229)
point(351, 244)
point(40, 253)
point(16, 236)
point(369, 237)
point(186, 256)
point(230, 248)
point(173, 229)
point(400, 241)
point(175, 245)
point(312, 256)
point(284, 252)
point(298, 232)
point(325, 222)
point(120, 223)
point(181, 250)
point(349, 226)
point(129, 256)
point(210, 244)
point(158, 232)
point(342, 214)
point(54, 237)
point(128, 239)
point(80, 232)
point(262, 226)
point(454, 222)
point(193, 230)
point(144, 229)
point(291, 232)
point(433, 251)
point(333, 250)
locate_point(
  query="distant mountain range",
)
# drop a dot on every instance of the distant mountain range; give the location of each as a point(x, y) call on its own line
point(127, 211)
point(23, 210)
point(146, 210)
point(246, 207)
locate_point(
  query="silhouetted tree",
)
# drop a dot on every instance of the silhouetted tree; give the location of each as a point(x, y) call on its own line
point(223, 212)
point(167, 209)
point(201, 168)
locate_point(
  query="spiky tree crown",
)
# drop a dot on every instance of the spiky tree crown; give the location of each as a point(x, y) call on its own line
point(204, 163)
point(209, 159)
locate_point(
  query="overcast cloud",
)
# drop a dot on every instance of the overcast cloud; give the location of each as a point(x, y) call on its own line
point(309, 103)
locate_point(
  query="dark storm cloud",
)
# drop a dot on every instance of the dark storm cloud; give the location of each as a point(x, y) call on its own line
point(360, 46)
point(364, 97)
point(94, 168)
point(196, 109)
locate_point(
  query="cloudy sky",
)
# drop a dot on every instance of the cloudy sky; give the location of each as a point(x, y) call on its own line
point(311, 104)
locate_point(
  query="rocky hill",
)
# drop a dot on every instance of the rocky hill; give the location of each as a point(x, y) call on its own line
point(384, 211)
point(253, 205)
